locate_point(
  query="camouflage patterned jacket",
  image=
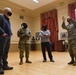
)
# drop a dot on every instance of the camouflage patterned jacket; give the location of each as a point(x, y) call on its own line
point(24, 35)
point(71, 29)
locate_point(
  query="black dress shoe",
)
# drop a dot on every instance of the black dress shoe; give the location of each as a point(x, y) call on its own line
point(1, 71)
point(44, 60)
point(7, 68)
point(52, 60)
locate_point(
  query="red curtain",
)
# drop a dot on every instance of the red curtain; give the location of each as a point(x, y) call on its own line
point(44, 18)
point(71, 10)
point(50, 18)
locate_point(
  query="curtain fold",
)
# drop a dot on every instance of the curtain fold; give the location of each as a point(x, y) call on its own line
point(72, 10)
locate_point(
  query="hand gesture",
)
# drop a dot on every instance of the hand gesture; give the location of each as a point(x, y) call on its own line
point(63, 19)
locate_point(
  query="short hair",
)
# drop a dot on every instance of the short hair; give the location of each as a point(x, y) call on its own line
point(24, 24)
point(7, 9)
point(69, 17)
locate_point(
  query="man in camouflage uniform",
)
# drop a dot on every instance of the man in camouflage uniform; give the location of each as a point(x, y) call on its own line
point(71, 29)
point(24, 42)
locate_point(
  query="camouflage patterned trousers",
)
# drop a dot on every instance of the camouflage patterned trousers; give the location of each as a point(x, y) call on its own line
point(72, 47)
point(24, 48)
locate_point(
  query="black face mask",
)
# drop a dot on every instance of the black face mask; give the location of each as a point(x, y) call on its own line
point(24, 26)
point(44, 28)
point(9, 13)
point(69, 20)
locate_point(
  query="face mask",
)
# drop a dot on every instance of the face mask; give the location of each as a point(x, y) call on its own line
point(44, 28)
point(24, 26)
point(9, 13)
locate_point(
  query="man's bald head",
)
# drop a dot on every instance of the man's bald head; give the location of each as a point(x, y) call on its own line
point(7, 11)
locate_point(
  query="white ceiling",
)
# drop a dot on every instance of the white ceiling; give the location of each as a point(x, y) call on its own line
point(30, 4)
point(31, 8)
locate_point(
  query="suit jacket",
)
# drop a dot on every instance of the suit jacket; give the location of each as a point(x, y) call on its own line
point(2, 25)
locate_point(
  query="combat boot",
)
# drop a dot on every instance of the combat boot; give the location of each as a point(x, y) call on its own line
point(27, 61)
point(21, 61)
point(72, 61)
point(74, 64)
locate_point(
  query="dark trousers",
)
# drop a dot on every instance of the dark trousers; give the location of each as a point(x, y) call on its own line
point(44, 46)
point(4, 49)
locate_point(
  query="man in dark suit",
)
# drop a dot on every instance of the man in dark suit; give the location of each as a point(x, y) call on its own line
point(5, 37)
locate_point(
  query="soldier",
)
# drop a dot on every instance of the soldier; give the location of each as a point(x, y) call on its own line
point(71, 29)
point(24, 42)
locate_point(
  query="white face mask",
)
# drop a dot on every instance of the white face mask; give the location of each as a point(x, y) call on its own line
point(22, 26)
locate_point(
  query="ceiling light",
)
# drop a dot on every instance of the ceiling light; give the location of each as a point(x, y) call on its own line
point(37, 1)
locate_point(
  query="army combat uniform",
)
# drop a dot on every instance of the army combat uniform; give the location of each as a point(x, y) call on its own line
point(71, 29)
point(24, 43)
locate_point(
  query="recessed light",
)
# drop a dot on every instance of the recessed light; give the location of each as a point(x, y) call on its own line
point(36, 1)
